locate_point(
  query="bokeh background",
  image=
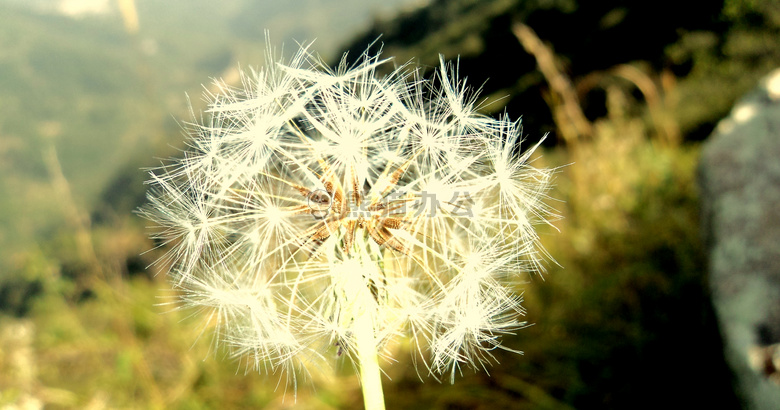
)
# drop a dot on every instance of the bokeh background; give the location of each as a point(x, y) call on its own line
point(93, 91)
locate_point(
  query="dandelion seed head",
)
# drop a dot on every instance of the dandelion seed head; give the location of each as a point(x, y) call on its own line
point(313, 196)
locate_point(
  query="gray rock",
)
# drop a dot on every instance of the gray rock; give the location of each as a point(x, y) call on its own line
point(739, 177)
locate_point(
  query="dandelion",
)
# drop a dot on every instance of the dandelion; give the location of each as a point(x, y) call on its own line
point(323, 213)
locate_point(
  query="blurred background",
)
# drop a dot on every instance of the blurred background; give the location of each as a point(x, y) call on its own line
point(92, 91)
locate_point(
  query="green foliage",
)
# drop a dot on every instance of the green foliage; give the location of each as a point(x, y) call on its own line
point(738, 56)
point(635, 295)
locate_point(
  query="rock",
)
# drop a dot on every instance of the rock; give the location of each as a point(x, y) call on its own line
point(739, 178)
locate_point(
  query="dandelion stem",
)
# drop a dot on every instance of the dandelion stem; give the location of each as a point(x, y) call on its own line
point(370, 374)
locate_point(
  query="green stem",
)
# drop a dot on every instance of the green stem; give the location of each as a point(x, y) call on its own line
point(370, 374)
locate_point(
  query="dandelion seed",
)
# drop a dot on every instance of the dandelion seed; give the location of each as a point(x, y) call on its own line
point(333, 210)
